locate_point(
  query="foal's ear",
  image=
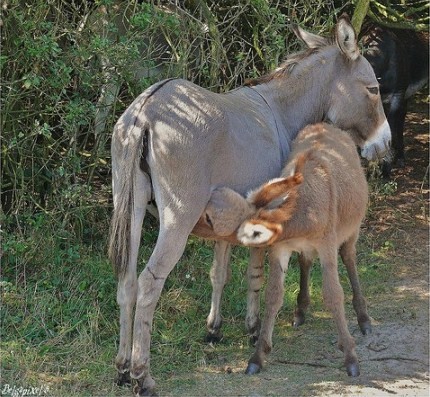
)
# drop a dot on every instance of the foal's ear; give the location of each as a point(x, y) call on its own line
point(310, 39)
point(277, 202)
point(346, 38)
point(276, 192)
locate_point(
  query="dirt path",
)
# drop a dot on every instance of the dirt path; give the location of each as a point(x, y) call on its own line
point(394, 360)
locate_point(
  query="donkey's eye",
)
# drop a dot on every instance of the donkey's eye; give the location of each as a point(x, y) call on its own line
point(373, 90)
point(256, 234)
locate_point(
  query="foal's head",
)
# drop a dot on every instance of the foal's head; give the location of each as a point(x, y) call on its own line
point(274, 204)
point(261, 215)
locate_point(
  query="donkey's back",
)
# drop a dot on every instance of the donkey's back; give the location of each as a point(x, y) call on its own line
point(204, 137)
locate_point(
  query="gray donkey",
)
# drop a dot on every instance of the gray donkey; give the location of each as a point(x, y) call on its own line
point(177, 142)
point(316, 208)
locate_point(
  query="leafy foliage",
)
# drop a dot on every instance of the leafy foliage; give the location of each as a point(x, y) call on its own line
point(60, 60)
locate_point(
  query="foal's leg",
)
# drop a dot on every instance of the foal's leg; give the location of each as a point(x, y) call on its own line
point(255, 276)
point(334, 300)
point(278, 257)
point(303, 298)
point(220, 274)
point(348, 254)
point(127, 285)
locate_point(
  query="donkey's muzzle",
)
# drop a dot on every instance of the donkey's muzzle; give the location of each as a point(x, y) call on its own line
point(377, 147)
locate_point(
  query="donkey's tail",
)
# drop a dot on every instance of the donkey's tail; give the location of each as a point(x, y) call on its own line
point(125, 165)
point(129, 147)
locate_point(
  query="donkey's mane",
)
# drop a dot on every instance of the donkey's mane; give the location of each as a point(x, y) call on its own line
point(287, 66)
point(283, 70)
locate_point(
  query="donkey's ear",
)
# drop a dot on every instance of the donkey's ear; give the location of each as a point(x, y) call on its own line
point(310, 39)
point(346, 38)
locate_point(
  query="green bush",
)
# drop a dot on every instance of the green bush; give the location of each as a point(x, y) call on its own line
point(57, 58)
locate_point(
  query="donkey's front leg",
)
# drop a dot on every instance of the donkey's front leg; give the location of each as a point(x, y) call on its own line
point(255, 276)
point(220, 274)
point(279, 257)
point(334, 300)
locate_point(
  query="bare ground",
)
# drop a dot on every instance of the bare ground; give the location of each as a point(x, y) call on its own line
point(394, 359)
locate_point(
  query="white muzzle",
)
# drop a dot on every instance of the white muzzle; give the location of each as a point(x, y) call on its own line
point(376, 147)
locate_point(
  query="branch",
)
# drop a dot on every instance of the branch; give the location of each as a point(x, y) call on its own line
point(310, 364)
point(397, 25)
point(398, 358)
point(360, 13)
point(216, 47)
point(396, 19)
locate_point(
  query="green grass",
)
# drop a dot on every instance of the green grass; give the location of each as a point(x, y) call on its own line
point(60, 318)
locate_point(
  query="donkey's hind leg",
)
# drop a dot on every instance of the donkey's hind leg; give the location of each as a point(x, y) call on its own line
point(219, 275)
point(175, 226)
point(255, 276)
point(348, 254)
point(303, 298)
point(127, 283)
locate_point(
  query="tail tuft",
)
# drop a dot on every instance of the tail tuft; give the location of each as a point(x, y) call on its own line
point(126, 155)
point(119, 241)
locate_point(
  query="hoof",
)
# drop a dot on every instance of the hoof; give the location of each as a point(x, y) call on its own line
point(298, 320)
point(353, 369)
point(366, 328)
point(252, 369)
point(213, 337)
point(299, 317)
point(139, 391)
point(123, 379)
